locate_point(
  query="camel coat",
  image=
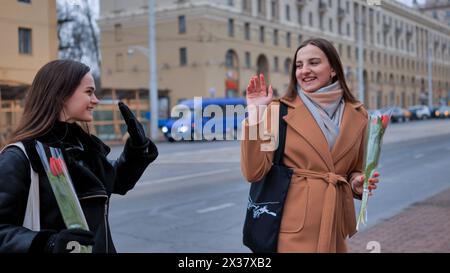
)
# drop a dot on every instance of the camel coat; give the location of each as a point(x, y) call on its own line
point(319, 212)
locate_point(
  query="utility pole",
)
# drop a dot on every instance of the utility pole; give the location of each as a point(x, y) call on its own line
point(360, 57)
point(153, 75)
point(430, 70)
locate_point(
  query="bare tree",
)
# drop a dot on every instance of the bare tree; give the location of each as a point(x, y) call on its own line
point(78, 34)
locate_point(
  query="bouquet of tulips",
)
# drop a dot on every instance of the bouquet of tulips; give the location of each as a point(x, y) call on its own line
point(376, 128)
point(61, 183)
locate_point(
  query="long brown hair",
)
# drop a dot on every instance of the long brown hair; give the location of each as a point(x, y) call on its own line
point(335, 62)
point(53, 84)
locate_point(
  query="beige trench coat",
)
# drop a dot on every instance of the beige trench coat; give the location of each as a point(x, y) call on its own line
point(319, 212)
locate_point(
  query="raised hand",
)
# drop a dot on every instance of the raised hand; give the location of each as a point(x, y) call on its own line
point(257, 91)
point(134, 127)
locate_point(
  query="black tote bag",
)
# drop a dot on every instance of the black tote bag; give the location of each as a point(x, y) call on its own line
point(266, 200)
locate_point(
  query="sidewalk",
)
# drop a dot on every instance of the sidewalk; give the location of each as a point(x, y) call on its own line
point(422, 227)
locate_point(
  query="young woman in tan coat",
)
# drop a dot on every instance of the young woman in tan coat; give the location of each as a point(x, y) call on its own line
point(326, 127)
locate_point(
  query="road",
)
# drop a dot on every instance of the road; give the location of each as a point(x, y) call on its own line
point(193, 197)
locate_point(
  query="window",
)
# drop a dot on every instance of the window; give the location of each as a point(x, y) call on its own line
point(330, 24)
point(230, 27)
point(310, 19)
point(247, 31)
point(246, 5)
point(348, 29)
point(118, 32)
point(25, 43)
point(183, 56)
point(349, 52)
point(248, 61)
point(275, 37)
point(275, 64)
point(288, 39)
point(287, 66)
point(230, 2)
point(288, 13)
point(261, 7)
point(181, 24)
point(299, 15)
point(25, 1)
point(261, 34)
point(300, 39)
point(230, 59)
point(435, 15)
point(119, 62)
point(274, 9)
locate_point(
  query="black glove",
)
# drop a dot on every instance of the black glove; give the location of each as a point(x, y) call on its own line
point(57, 243)
point(135, 129)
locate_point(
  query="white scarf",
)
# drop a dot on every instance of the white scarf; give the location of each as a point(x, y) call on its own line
point(327, 107)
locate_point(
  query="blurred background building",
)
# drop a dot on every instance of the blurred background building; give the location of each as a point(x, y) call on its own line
point(28, 41)
point(438, 9)
point(211, 48)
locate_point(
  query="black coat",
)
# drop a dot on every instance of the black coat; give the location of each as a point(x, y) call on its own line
point(94, 177)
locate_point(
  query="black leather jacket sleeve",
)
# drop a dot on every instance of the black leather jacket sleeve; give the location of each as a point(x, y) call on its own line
point(14, 187)
point(131, 165)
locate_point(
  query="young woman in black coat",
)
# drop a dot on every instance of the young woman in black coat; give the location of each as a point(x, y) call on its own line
point(61, 97)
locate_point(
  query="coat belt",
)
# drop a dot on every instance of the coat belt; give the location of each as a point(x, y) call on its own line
point(329, 207)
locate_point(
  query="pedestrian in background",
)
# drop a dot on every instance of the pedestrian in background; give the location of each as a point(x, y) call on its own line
point(61, 97)
point(324, 147)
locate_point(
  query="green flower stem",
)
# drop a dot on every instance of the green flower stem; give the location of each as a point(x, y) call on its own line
point(375, 132)
point(67, 203)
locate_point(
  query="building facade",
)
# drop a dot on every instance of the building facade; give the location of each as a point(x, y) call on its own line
point(28, 31)
point(438, 9)
point(212, 48)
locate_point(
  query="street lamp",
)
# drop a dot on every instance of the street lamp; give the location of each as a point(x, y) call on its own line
point(151, 91)
point(150, 53)
point(360, 45)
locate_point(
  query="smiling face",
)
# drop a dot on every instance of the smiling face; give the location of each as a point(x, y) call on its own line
point(80, 106)
point(313, 70)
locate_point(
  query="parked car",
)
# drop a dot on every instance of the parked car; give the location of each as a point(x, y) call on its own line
point(443, 112)
point(433, 110)
point(398, 114)
point(420, 112)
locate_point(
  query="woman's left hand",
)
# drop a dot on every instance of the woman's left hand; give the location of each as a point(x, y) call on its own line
point(135, 129)
point(358, 181)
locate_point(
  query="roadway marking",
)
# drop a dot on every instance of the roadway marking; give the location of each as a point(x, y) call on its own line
point(219, 207)
point(417, 156)
point(182, 177)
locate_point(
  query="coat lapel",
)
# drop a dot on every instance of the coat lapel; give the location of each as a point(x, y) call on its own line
point(352, 124)
point(301, 120)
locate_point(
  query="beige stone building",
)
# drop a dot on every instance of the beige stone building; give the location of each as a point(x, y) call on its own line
point(28, 40)
point(211, 48)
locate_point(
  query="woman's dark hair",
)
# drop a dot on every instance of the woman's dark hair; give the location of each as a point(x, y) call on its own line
point(333, 59)
point(53, 84)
